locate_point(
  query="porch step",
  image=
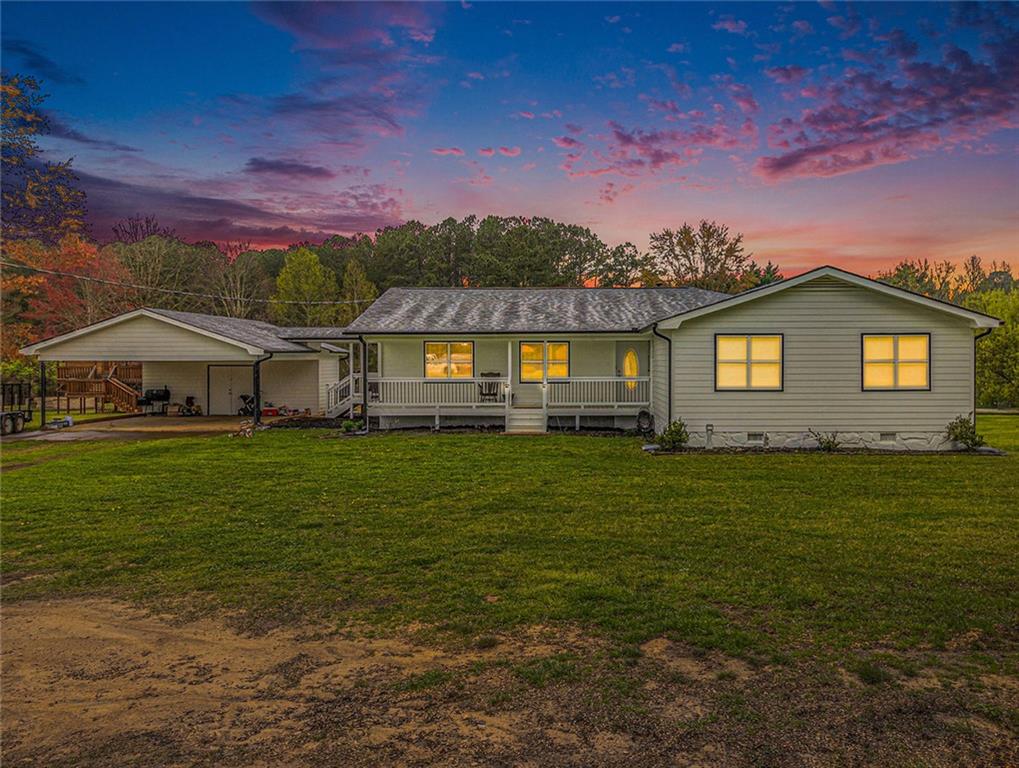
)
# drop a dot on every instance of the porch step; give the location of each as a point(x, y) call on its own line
point(340, 408)
point(523, 421)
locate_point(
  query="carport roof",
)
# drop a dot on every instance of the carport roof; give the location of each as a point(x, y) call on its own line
point(254, 333)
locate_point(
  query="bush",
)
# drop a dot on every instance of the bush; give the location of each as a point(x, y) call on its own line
point(349, 425)
point(963, 430)
point(827, 441)
point(674, 436)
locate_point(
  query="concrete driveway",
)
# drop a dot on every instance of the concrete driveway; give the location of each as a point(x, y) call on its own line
point(140, 428)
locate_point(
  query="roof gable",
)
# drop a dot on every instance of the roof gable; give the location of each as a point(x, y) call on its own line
point(978, 319)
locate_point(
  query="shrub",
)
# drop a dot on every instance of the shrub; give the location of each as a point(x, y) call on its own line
point(827, 441)
point(674, 436)
point(963, 430)
point(349, 425)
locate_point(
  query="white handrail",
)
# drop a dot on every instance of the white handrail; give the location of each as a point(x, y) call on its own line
point(599, 391)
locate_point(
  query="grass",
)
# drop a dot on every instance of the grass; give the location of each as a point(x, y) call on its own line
point(765, 554)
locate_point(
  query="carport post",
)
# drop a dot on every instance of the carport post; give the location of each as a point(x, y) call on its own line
point(42, 394)
point(256, 384)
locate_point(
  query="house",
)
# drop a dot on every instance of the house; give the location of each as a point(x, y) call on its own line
point(827, 351)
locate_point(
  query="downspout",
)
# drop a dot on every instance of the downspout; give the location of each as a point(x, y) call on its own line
point(256, 383)
point(668, 341)
point(364, 382)
point(975, 339)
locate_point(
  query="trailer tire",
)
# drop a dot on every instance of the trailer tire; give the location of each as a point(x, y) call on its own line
point(6, 425)
point(19, 423)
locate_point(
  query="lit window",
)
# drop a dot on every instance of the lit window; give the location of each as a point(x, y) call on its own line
point(896, 362)
point(540, 360)
point(449, 359)
point(748, 362)
point(631, 367)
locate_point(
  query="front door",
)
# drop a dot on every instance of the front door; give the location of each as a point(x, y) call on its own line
point(226, 385)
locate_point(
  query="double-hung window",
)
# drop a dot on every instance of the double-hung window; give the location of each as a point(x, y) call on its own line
point(896, 361)
point(544, 359)
point(449, 359)
point(748, 362)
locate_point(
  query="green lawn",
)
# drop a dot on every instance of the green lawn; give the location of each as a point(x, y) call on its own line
point(773, 554)
point(79, 418)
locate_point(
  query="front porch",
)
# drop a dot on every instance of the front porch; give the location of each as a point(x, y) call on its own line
point(518, 382)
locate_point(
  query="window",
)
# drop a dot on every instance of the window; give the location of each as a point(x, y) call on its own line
point(748, 362)
point(449, 359)
point(373, 358)
point(896, 361)
point(544, 359)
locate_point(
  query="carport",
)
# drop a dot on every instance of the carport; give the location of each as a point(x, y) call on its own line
point(214, 360)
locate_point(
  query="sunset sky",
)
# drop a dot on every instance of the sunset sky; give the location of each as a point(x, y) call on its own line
point(855, 135)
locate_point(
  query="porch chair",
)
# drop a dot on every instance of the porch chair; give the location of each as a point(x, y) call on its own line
point(489, 391)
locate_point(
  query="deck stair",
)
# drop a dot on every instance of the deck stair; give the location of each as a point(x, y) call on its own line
point(340, 398)
point(526, 421)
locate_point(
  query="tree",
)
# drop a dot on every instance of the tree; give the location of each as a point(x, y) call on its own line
point(241, 285)
point(301, 288)
point(357, 294)
point(621, 267)
point(37, 305)
point(40, 199)
point(936, 280)
point(169, 273)
point(708, 257)
point(998, 353)
point(757, 275)
point(134, 229)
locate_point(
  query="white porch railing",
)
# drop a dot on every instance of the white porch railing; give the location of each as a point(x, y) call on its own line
point(433, 392)
point(337, 394)
point(599, 392)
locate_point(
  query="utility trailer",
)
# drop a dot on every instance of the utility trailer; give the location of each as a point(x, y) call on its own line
point(15, 406)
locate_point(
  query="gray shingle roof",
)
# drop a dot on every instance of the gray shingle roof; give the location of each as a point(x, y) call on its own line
point(526, 310)
point(252, 332)
point(312, 332)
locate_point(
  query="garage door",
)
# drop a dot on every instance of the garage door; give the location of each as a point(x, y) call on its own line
point(226, 385)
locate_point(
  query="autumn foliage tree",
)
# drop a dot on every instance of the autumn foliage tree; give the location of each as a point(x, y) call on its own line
point(40, 198)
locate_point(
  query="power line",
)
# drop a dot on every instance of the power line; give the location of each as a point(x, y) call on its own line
point(174, 291)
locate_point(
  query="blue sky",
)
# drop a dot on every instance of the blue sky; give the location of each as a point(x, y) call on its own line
point(853, 134)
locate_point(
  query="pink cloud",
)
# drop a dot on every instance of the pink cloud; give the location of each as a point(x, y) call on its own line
point(475, 76)
point(870, 118)
point(526, 115)
point(486, 151)
point(509, 151)
point(803, 27)
point(610, 191)
point(456, 151)
point(567, 142)
point(729, 24)
point(787, 75)
point(678, 48)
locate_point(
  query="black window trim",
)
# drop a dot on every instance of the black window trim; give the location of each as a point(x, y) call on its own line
point(895, 335)
point(748, 388)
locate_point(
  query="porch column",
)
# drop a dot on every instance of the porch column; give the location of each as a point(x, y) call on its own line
point(509, 373)
point(42, 394)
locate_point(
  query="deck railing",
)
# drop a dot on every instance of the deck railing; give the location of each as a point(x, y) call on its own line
point(599, 392)
point(431, 392)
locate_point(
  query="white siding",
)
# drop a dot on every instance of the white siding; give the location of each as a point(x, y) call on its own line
point(143, 338)
point(181, 378)
point(822, 321)
point(293, 383)
point(660, 382)
point(328, 373)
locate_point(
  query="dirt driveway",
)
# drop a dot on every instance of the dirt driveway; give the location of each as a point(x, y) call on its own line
point(95, 682)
